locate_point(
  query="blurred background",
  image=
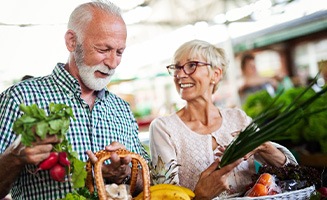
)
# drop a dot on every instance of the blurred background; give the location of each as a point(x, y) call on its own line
point(287, 37)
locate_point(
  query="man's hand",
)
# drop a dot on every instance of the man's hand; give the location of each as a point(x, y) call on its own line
point(17, 156)
point(39, 151)
point(118, 169)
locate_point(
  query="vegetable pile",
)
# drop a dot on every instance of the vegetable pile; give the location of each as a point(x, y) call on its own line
point(35, 123)
point(272, 180)
point(273, 121)
point(264, 185)
point(293, 177)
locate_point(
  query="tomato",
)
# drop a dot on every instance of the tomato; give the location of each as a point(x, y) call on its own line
point(266, 179)
point(258, 190)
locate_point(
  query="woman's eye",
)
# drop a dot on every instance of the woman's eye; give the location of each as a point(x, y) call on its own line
point(192, 65)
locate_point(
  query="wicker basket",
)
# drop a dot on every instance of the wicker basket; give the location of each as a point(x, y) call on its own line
point(301, 194)
point(105, 155)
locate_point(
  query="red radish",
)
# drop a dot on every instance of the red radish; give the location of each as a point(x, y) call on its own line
point(63, 159)
point(49, 162)
point(323, 191)
point(58, 173)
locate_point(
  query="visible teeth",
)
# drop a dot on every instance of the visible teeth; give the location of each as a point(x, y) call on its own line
point(186, 85)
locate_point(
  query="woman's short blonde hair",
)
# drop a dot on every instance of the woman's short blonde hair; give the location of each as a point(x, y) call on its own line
point(198, 48)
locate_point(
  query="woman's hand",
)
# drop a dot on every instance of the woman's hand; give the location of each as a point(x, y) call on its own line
point(270, 154)
point(118, 169)
point(212, 182)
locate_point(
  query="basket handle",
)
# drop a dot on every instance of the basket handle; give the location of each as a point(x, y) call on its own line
point(105, 155)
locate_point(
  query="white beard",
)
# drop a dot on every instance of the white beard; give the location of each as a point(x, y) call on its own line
point(87, 75)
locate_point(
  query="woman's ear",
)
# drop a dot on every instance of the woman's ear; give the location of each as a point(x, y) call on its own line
point(70, 39)
point(217, 75)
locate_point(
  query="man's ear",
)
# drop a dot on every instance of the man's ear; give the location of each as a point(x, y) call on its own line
point(71, 40)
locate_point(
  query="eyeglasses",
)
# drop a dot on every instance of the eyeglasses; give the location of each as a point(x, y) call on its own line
point(188, 68)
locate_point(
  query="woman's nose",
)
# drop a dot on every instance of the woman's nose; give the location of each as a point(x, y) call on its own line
point(180, 74)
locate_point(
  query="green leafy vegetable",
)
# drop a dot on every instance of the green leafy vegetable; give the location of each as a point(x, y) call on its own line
point(310, 128)
point(307, 175)
point(81, 194)
point(273, 121)
point(35, 121)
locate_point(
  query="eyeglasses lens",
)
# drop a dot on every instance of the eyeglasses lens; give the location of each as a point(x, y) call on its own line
point(188, 68)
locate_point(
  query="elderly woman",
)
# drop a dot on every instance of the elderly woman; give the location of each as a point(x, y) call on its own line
point(196, 135)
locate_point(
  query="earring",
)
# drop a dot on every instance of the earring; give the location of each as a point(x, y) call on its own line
point(213, 82)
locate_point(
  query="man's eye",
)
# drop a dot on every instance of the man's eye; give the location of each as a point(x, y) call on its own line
point(102, 50)
point(120, 53)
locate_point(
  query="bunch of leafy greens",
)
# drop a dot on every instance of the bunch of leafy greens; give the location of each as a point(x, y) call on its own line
point(310, 129)
point(273, 121)
point(36, 123)
point(81, 194)
point(257, 102)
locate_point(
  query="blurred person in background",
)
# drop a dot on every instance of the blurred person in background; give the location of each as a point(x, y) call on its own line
point(196, 135)
point(252, 81)
point(96, 40)
point(323, 70)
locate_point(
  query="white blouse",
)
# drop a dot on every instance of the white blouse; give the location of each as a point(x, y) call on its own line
point(172, 139)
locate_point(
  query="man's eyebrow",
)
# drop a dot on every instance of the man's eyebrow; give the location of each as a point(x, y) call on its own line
point(108, 46)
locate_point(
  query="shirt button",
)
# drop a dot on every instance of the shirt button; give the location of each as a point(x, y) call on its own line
point(71, 95)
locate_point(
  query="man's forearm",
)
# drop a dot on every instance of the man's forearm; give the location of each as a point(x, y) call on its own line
point(9, 172)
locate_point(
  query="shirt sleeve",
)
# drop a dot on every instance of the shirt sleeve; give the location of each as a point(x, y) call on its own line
point(161, 144)
point(8, 114)
point(290, 159)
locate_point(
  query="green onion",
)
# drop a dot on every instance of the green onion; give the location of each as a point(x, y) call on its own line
point(269, 124)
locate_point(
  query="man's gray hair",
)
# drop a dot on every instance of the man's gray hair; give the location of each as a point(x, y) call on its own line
point(82, 15)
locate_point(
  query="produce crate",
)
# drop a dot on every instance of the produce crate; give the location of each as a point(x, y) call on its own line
point(293, 195)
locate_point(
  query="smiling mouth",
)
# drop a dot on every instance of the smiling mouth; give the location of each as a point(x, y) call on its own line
point(186, 85)
point(102, 74)
point(106, 74)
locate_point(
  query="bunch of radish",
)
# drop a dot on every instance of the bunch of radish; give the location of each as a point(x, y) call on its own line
point(35, 124)
point(56, 163)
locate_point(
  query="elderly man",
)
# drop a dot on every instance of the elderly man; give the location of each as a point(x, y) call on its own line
point(96, 39)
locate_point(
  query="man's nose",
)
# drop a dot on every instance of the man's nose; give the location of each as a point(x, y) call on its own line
point(112, 60)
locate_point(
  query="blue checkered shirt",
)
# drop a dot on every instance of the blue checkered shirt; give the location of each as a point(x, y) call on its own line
point(110, 120)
